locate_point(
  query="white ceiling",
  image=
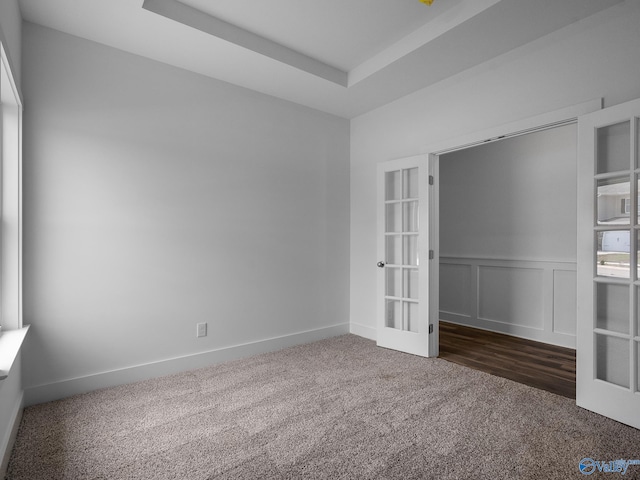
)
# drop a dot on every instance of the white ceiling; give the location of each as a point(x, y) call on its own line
point(340, 33)
point(344, 57)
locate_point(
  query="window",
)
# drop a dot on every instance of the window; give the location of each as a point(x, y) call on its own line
point(626, 206)
point(10, 198)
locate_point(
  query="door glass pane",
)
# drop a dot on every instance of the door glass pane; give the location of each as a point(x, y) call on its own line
point(637, 197)
point(637, 254)
point(614, 201)
point(637, 143)
point(612, 311)
point(410, 183)
point(613, 148)
point(411, 316)
point(393, 217)
point(638, 366)
point(613, 255)
point(411, 283)
point(393, 249)
point(410, 250)
point(393, 185)
point(637, 332)
point(612, 360)
point(393, 282)
point(410, 215)
point(401, 277)
point(393, 314)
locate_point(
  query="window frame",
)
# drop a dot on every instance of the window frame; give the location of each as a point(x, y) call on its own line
point(11, 109)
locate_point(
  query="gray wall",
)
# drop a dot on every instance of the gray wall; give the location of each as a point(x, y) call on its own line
point(11, 388)
point(155, 199)
point(11, 30)
point(593, 58)
point(512, 199)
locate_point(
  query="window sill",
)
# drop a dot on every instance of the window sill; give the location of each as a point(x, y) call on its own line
point(10, 343)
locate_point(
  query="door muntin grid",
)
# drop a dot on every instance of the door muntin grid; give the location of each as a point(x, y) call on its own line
point(616, 323)
point(402, 208)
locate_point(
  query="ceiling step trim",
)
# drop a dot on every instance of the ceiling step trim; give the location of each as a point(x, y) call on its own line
point(194, 18)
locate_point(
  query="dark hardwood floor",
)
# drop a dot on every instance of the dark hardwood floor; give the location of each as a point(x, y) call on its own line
point(536, 364)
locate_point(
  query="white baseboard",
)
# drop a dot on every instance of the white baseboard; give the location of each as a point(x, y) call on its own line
point(560, 340)
point(10, 436)
point(363, 331)
point(57, 390)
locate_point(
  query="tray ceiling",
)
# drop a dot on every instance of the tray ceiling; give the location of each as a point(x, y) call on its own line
point(341, 57)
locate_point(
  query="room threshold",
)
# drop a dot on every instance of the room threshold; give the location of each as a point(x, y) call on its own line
point(540, 365)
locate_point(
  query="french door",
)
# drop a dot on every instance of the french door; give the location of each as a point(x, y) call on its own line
point(404, 257)
point(608, 330)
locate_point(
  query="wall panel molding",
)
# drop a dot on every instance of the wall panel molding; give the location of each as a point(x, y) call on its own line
point(526, 298)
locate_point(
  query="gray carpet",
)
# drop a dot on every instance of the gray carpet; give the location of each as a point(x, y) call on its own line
point(338, 408)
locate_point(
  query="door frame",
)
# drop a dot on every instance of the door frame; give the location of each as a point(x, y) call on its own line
point(431, 154)
point(544, 121)
point(557, 118)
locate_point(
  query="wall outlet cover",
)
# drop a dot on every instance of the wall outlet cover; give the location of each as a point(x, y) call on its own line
point(202, 329)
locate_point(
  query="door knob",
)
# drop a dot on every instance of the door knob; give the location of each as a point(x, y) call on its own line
point(380, 264)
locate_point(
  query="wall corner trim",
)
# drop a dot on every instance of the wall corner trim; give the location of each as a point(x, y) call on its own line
point(10, 436)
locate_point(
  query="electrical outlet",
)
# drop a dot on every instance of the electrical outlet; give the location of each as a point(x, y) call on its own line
point(202, 329)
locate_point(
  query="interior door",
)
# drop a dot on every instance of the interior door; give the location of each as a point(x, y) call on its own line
point(608, 330)
point(403, 257)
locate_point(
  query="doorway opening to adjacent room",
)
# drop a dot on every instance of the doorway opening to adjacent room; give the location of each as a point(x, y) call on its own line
point(409, 241)
point(507, 257)
point(607, 258)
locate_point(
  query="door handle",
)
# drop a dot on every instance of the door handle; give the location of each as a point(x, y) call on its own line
point(380, 264)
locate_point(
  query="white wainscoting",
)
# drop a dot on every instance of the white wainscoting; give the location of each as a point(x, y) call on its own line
point(528, 299)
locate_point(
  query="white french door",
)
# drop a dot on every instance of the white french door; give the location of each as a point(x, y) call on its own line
point(403, 257)
point(608, 330)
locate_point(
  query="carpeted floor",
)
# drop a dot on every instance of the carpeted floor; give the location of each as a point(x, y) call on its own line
point(338, 408)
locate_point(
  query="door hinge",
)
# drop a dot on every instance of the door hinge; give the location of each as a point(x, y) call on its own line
point(430, 179)
point(431, 328)
point(431, 255)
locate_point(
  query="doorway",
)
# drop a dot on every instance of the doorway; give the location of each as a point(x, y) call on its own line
point(507, 234)
point(507, 260)
point(428, 198)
